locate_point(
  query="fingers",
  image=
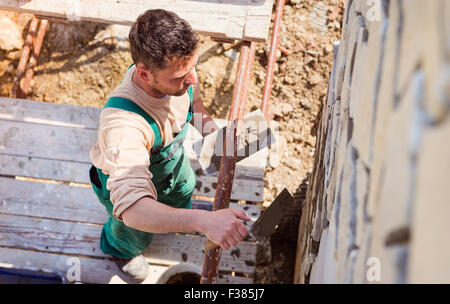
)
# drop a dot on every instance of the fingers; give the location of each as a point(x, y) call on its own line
point(240, 214)
point(233, 231)
point(237, 235)
point(242, 230)
point(225, 245)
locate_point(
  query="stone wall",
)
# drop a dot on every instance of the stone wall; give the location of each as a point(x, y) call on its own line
point(378, 204)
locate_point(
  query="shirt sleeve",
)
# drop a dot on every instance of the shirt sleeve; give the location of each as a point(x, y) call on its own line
point(124, 142)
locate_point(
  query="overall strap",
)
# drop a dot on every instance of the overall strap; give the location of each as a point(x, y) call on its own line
point(128, 105)
point(191, 107)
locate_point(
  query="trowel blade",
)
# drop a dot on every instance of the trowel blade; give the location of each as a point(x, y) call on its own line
point(264, 226)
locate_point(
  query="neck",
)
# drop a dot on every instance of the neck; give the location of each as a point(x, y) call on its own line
point(147, 88)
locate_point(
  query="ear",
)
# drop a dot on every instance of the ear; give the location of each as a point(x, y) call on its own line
point(143, 73)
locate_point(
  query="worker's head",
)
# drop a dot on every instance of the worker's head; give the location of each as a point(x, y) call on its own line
point(164, 49)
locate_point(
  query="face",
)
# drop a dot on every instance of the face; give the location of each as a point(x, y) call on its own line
point(174, 80)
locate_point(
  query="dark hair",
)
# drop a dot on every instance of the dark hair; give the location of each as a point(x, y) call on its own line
point(157, 36)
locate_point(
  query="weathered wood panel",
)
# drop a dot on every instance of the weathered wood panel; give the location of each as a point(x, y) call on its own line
point(72, 267)
point(49, 113)
point(46, 141)
point(23, 110)
point(75, 238)
point(234, 19)
point(106, 271)
point(169, 249)
point(11, 165)
point(37, 141)
point(64, 202)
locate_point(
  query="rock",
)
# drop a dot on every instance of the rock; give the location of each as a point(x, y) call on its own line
point(276, 68)
point(283, 67)
point(288, 136)
point(278, 54)
point(298, 46)
point(309, 59)
point(13, 55)
point(259, 76)
point(293, 163)
point(314, 79)
point(289, 80)
point(114, 34)
point(297, 67)
point(312, 53)
point(286, 108)
point(327, 49)
point(10, 69)
point(276, 111)
point(11, 38)
point(318, 17)
point(306, 103)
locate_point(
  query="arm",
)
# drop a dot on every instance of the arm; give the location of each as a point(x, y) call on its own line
point(222, 226)
point(134, 195)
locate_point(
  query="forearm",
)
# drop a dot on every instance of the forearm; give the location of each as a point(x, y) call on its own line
point(221, 226)
point(152, 216)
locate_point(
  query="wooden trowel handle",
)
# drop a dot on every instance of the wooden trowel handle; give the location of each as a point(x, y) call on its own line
point(208, 245)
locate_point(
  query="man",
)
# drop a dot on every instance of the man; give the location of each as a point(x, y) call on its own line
point(140, 172)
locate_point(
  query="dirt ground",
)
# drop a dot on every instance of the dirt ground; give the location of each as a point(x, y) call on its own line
point(81, 63)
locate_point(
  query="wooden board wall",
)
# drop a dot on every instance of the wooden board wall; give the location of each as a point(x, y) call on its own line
point(231, 19)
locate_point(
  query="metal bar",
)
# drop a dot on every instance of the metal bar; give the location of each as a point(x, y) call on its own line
point(25, 55)
point(228, 160)
point(267, 91)
point(33, 60)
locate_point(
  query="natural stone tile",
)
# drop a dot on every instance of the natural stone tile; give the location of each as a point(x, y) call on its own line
point(430, 246)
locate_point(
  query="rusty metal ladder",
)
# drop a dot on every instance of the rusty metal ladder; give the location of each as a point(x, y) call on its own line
point(228, 162)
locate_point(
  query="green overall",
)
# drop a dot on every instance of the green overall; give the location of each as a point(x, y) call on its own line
point(173, 179)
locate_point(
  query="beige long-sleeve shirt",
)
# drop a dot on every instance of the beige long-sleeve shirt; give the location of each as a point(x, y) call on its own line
point(124, 140)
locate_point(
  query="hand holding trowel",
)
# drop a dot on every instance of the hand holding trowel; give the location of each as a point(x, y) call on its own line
point(264, 226)
point(255, 136)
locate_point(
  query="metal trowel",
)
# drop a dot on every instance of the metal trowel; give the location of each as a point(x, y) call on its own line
point(264, 226)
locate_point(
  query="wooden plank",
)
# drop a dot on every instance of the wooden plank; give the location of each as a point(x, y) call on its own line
point(49, 113)
point(257, 20)
point(169, 249)
point(233, 19)
point(76, 238)
point(88, 117)
point(58, 170)
point(251, 169)
point(227, 279)
point(53, 201)
point(12, 165)
point(51, 147)
point(91, 270)
point(243, 189)
point(45, 141)
point(50, 235)
point(64, 202)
